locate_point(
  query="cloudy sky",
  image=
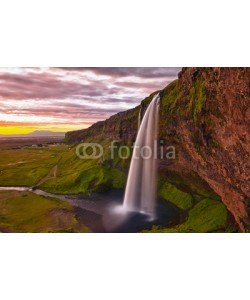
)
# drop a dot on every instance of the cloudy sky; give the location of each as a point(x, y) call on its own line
point(63, 99)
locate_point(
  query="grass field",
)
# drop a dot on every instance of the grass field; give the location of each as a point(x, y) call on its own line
point(28, 166)
point(207, 215)
point(28, 212)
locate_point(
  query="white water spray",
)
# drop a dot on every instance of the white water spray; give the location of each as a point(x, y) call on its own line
point(140, 193)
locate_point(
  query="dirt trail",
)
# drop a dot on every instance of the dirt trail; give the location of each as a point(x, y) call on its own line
point(52, 174)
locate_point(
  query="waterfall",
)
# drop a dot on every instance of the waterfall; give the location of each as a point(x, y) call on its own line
point(140, 193)
point(139, 118)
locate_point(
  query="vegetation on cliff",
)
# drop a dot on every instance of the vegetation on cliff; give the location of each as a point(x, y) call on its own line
point(207, 215)
point(171, 193)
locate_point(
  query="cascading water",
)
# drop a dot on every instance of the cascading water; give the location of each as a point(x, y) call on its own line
point(139, 119)
point(140, 193)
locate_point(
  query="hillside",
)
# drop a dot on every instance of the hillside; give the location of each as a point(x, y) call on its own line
point(204, 114)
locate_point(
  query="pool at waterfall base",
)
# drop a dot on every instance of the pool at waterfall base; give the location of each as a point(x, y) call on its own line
point(104, 212)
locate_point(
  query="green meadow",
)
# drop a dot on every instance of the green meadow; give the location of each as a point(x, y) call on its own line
point(57, 169)
point(35, 167)
point(28, 212)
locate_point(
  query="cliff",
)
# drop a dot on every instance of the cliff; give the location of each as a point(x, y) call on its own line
point(205, 116)
point(121, 126)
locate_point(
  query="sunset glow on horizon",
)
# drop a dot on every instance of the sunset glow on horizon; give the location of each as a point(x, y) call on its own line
point(25, 129)
point(65, 99)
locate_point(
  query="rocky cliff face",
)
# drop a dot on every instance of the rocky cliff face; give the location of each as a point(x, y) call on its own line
point(122, 126)
point(205, 115)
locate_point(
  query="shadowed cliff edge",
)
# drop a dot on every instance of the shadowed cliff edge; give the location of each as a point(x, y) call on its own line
point(205, 114)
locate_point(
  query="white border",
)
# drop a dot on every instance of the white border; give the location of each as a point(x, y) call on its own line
point(124, 266)
point(124, 33)
point(155, 33)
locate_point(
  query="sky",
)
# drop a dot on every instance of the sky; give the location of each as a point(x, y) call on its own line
point(64, 99)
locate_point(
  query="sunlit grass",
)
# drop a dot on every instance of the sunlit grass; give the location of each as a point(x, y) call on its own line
point(28, 212)
point(208, 215)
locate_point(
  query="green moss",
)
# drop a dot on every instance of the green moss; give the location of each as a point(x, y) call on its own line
point(232, 229)
point(171, 108)
point(206, 216)
point(197, 96)
point(28, 212)
point(170, 97)
point(176, 196)
point(148, 99)
point(189, 183)
point(100, 179)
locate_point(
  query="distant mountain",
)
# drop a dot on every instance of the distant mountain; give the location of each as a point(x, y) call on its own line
point(36, 133)
point(46, 133)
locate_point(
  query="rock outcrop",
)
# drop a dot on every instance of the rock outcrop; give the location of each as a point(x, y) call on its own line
point(205, 115)
point(207, 119)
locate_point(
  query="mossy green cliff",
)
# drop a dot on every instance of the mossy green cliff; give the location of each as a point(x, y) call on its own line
point(204, 116)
